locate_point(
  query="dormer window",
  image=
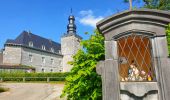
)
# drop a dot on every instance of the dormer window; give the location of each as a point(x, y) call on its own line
point(31, 44)
point(43, 47)
point(52, 49)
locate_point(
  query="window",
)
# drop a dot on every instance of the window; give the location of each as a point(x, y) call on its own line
point(30, 58)
point(59, 51)
point(52, 49)
point(31, 44)
point(43, 47)
point(52, 61)
point(135, 58)
point(43, 60)
point(42, 70)
point(59, 62)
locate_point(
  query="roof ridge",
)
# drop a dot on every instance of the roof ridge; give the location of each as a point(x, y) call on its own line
point(43, 38)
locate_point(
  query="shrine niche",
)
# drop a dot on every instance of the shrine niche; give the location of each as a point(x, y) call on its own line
point(136, 65)
point(135, 58)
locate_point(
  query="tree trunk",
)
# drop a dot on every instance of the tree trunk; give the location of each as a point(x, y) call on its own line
point(130, 4)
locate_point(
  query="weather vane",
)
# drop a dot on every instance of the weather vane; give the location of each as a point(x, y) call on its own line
point(71, 10)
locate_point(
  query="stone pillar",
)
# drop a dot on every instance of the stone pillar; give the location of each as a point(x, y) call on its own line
point(162, 66)
point(108, 69)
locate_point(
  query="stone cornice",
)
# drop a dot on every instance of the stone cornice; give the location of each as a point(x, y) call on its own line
point(145, 16)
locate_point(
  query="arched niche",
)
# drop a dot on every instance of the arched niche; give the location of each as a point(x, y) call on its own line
point(135, 57)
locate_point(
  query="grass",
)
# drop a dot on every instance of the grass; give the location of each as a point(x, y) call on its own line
point(51, 82)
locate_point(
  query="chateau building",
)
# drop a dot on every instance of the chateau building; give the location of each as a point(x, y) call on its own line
point(32, 52)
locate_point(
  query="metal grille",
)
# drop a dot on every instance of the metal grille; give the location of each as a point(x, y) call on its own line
point(135, 59)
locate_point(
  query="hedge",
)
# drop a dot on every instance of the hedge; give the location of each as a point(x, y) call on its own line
point(18, 76)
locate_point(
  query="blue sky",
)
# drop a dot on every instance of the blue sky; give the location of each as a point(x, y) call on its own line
point(48, 18)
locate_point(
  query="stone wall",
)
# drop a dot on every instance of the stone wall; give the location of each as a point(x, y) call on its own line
point(69, 46)
point(36, 62)
point(1, 58)
point(12, 55)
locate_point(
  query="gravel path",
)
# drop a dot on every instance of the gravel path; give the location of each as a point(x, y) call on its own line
point(32, 91)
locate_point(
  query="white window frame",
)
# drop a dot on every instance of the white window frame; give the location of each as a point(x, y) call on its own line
point(43, 60)
point(31, 44)
point(52, 61)
point(30, 57)
point(52, 49)
point(43, 47)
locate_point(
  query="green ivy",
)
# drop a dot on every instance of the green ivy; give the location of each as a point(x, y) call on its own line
point(83, 83)
point(168, 37)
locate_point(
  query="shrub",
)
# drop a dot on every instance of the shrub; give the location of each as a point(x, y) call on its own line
point(168, 37)
point(18, 76)
point(83, 83)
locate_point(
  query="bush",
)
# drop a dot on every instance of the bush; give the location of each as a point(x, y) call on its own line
point(83, 83)
point(18, 76)
point(168, 37)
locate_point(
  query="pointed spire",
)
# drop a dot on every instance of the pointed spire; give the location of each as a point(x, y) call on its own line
point(71, 27)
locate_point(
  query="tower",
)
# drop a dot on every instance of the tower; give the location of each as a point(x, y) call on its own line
point(70, 44)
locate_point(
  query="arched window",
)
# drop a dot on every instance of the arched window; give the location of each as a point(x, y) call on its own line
point(135, 58)
point(31, 44)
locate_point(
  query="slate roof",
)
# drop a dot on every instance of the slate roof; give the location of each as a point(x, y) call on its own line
point(25, 37)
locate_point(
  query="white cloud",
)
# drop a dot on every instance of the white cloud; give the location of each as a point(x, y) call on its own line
point(88, 18)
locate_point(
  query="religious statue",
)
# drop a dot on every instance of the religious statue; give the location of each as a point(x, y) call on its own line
point(134, 74)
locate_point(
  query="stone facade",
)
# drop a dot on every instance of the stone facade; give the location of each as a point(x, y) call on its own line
point(70, 44)
point(19, 55)
point(1, 57)
point(52, 62)
point(12, 55)
point(69, 47)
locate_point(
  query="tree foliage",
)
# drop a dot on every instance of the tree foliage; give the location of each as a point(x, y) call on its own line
point(154, 4)
point(168, 37)
point(157, 4)
point(83, 83)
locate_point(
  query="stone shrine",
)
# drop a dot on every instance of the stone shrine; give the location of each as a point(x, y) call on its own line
point(136, 65)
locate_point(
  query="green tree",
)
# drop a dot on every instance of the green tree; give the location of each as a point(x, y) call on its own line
point(168, 37)
point(157, 4)
point(83, 83)
point(152, 4)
